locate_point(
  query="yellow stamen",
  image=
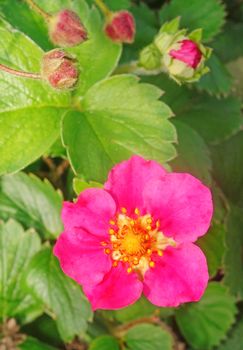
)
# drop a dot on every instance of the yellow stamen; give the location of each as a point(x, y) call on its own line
point(152, 264)
point(123, 210)
point(111, 231)
point(160, 253)
point(137, 211)
point(107, 251)
point(135, 261)
point(129, 270)
point(146, 237)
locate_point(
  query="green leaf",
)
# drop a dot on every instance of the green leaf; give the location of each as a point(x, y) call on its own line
point(218, 81)
point(98, 56)
point(235, 338)
point(233, 262)
point(140, 309)
point(16, 249)
point(32, 202)
point(59, 294)
point(34, 344)
point(114, 5)
point(227, 164)
point(80, 185)
point(57, 150)
point(215, 120)
point(148, 337)
point(205, 323)
point(27, 21)
point(236, 70)
point(206, 14)
point(213, 246)
point(228, 45)
point(104, 342)
point(117, 117)
point(193, 153)
point(30, 111)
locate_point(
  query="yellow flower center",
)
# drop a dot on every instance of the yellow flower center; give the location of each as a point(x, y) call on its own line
point(135, 240)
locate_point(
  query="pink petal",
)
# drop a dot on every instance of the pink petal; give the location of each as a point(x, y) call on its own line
point(179, 276)
point(182, 204)
point(92, 212)
point(127, 180)
point(82, 257)
point(118, 289)
point(189, 53)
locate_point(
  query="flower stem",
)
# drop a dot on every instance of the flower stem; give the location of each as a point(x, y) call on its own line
point(39, 10)
point(133, 67)
point(104, 9)
point(19, 73)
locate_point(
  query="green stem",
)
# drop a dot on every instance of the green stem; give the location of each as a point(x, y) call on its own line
point(104, 9)
point(39, 10)
point(19, 73)
point(133, 67)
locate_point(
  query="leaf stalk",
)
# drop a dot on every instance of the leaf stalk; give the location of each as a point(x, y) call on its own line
point(19, 73)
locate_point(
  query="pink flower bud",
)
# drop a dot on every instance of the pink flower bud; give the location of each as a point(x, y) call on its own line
point(59, 69)
point(120, 27)
point(188, 53)
point(66, 29)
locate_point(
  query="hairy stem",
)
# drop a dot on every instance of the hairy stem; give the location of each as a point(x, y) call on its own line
point(39, 10)
point(106, 11)
point(19, 73)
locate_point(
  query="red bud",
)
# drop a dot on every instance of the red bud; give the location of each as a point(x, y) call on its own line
point(59, 69)
point(66, 29)
point(120, 27)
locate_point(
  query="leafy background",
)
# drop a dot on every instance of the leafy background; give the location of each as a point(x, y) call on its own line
point(53, 145)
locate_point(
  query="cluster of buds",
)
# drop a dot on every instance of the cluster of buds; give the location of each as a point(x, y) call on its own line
point(179, 54)
point(66, 29)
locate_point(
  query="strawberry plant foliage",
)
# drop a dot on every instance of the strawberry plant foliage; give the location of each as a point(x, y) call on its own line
point(65, 122)
point(16, 249)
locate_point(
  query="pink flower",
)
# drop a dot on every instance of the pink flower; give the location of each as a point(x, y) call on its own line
point(121, 27)
point(136, 236)
point(66, 29)
point(188, 53)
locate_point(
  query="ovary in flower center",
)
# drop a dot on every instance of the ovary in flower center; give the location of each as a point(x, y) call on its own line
point(135, 241)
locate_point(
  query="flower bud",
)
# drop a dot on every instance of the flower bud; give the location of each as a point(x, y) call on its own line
point(59, 69)
point(182, 55)
point(120, 27)
point(150, 57)
point(66, 29)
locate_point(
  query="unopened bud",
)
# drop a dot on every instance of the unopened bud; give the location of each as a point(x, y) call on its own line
point(150, 57)
point(66, 29)
point(59, 69)
point(120, 27)
point(182, 55)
